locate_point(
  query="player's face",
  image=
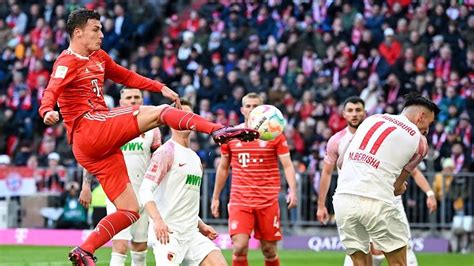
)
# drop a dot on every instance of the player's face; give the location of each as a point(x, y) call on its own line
point(91, 35)
point(354, 114)
point(131, 97)
point(248, 106)
point(424, 120)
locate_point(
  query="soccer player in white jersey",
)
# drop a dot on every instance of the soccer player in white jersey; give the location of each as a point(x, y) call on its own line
point(381, 156)
point(170, 194)
point(354, 114)
point(137, 154)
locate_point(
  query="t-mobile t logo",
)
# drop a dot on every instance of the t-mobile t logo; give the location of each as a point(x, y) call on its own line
point(244, 159)
point(21, 234)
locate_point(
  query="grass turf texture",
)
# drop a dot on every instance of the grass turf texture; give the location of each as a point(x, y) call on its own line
point(51, 256)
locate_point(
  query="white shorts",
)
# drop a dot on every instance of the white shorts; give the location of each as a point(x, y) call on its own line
point(399, 203)
point(137, 232)
point(361, 220)
point(189, 251)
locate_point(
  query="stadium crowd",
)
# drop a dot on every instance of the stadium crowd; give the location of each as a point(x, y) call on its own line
point(305, 57)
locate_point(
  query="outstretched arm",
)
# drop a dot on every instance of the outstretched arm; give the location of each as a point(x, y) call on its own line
point(221, 177)
point(289, 169)
point(422, 183)
point(121, 75)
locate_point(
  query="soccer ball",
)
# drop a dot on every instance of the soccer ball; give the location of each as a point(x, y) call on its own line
point(268, 121)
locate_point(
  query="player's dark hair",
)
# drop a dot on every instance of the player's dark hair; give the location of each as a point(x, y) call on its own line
point(354, 100)
point(414, 98)
point(78, 19)
point(184, 103)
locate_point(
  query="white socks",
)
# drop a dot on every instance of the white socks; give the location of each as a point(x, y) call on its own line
point(377, 260)
point(347, 261)
point(411, 257)
point(117, 259)
point(139, 258)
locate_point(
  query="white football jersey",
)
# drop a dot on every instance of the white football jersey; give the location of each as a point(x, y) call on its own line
point(137, 155)
point(381, 148)
point(178, 172)
point(337, 146)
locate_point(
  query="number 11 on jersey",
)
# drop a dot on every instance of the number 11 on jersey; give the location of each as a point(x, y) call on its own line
point(380, 138)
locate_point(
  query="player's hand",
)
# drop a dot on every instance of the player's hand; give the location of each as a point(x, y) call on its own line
point(431, 203)
point(291, 199)
point(322, 214)
point(208, 231)
point(51, 118)
point(215, 208)
point(170, 94)
point(401, 189)
point(85, 197)
point(162, 231)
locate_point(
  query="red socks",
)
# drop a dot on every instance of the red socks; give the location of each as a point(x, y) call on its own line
point(239, 260)
point(182, 120)
point(273, 262)
point(109, 226)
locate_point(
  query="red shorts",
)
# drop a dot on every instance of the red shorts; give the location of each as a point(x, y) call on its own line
point(97, 139)
point(265, 222)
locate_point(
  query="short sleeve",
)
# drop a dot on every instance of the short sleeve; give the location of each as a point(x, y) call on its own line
point(420, 153)
point(282, 145)
point(332, 155)
point(160, 163)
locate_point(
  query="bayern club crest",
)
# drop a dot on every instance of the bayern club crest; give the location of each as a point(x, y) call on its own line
point(13, 182)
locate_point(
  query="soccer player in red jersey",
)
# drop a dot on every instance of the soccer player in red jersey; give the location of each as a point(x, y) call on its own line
point(97, 133)
point(255, 187)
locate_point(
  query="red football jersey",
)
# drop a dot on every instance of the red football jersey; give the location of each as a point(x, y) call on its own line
point(76, 85)
point(255, 170)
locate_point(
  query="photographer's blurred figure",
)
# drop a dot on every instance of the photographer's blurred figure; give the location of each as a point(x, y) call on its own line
point(74, 215)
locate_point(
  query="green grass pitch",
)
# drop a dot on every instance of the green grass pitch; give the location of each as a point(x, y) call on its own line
point(55, 256)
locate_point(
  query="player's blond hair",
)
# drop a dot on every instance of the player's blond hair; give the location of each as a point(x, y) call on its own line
point(251, 95)
point(126, 88)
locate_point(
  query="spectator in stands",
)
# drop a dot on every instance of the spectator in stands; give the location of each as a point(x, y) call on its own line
point(74, 215)
point(124, 29)
point(390, 48)
point(4, 160)
point(17, 19)
point(54, 177)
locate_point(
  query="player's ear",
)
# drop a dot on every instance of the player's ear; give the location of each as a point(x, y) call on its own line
point(77, 32)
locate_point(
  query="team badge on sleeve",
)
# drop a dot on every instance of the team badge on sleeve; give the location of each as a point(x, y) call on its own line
point(60, 72)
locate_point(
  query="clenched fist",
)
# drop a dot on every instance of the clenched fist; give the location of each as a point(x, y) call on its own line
point(51, 118)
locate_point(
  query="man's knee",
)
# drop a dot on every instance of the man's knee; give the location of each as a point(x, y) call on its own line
point(120, 246)
point(269, 250)
point(240, 248)
point(138, 246)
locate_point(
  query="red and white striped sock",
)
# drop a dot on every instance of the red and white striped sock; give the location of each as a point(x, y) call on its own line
point(182, 120)
point(109, 226)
